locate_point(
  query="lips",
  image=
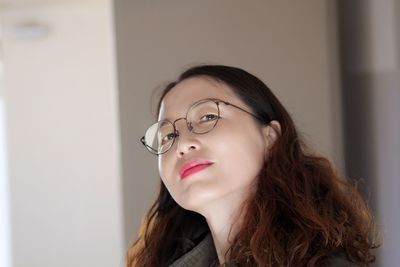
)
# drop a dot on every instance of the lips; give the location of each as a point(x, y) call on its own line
point(193, 166)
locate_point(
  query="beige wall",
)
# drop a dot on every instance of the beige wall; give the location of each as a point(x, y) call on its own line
point(291, 45)
point(63, 137)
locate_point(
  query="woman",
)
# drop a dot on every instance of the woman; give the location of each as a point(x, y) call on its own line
point(238, 187)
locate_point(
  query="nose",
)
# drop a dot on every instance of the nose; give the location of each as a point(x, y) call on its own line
point(186, 141)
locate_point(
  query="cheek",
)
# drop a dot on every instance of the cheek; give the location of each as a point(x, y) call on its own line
point(164, 168)
point(242, 155)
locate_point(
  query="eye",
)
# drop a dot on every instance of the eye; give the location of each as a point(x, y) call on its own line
point(209, 117)
point(168, 138)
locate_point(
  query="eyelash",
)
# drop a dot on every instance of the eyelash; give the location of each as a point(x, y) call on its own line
point(215, 117)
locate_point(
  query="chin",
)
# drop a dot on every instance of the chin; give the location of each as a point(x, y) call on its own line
point(192, 205)
point(201, 205)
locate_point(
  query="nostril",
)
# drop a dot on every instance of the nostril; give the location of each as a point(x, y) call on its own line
point(190, 148)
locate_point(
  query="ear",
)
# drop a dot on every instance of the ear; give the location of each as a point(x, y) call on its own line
point(271, 132)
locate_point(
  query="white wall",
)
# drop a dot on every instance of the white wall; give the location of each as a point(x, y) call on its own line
point(63, 137)
point(291, 45)
point(5, 241)
point(5, 228)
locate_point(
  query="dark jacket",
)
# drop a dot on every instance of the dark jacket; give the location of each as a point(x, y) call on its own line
point(204, 255)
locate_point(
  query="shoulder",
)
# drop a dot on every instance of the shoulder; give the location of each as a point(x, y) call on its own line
point(202, 254)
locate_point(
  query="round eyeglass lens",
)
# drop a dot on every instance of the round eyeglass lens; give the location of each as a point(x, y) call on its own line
point(203, 116)
point(159, 137)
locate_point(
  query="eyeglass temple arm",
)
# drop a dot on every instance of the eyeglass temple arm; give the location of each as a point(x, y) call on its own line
point(255, 116)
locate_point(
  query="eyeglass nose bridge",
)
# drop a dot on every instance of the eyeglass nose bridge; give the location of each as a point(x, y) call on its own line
point(188, 125)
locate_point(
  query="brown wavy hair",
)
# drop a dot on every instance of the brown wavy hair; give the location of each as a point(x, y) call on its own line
point(301, 214)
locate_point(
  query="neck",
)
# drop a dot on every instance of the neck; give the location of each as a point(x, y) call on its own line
point(224, 225)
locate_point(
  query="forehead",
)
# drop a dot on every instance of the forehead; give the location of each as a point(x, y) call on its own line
point(183, 95)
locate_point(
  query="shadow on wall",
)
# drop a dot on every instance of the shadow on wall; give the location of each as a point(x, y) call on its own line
point(370, 56)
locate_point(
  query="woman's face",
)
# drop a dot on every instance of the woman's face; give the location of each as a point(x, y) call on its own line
point(236, 147)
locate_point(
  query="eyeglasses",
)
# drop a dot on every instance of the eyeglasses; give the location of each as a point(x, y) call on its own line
point(200, 118)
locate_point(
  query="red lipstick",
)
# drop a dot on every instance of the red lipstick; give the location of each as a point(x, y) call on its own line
point(193, 166)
